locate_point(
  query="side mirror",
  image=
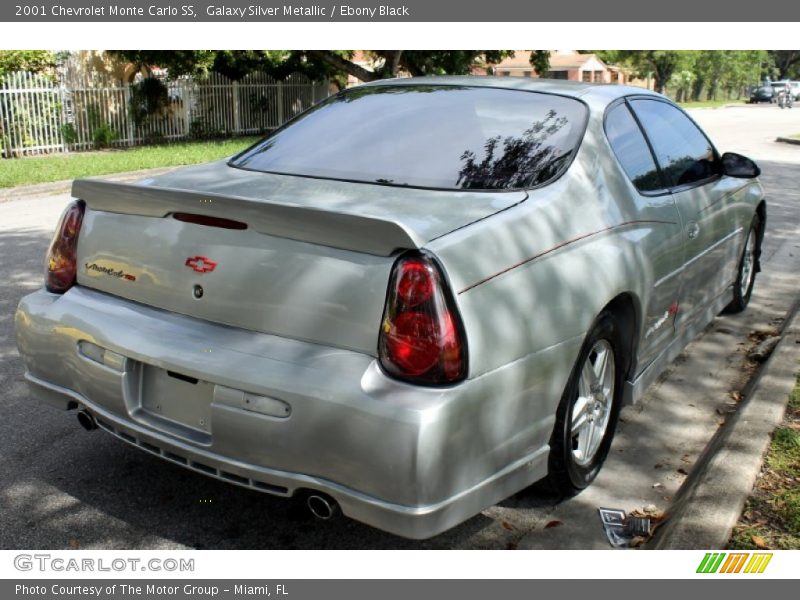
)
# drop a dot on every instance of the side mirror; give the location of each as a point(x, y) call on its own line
point(736, 165)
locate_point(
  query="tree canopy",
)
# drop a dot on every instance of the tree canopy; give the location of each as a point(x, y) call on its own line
point(332, 64)
point(685, 74)
point(787, 63)
point(26, 60)
point(697, 74)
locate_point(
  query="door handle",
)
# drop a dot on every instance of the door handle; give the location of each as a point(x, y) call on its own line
point(692, 230)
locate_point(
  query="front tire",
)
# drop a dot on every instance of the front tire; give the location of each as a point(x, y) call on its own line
point(589, 409)
point(748, 266)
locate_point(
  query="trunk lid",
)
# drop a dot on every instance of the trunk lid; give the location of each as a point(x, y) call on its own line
point(313, 263)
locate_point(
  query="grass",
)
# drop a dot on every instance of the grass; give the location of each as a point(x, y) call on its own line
point(795, 136)
point(771, 517)
point(710, 103)
point(57, 167)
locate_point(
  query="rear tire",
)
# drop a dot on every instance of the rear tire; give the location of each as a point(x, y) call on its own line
point(748, 266)
point(589, 409)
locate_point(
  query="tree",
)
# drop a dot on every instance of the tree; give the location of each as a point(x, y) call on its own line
point(26, 60)
point(787, 62)
point(727, 71)
point(540, 61)
point(416, 62)
point(331, 64)
point(661, 64)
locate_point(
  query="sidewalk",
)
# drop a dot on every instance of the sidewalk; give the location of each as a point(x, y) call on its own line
point(712, 498)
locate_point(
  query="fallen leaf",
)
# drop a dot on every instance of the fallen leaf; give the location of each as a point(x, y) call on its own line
point(655, 515)
point(760, 542)
point(507, 525)
point(651, 510)
point(552, 524)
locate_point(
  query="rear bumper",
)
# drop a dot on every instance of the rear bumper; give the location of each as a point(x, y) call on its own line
point(412, 461)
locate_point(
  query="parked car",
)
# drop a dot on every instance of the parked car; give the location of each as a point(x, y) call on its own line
point(762, 93)
point(792, 87)
point(415, 299)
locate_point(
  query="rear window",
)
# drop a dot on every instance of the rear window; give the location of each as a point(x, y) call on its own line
point(444, 137)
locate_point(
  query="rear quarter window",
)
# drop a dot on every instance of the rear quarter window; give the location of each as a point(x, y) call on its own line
point(434, 136)
point(628, 143)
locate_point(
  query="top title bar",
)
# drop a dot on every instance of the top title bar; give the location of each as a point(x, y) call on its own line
point(675, 11)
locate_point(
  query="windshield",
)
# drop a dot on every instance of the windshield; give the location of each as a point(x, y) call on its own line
point(445, 137)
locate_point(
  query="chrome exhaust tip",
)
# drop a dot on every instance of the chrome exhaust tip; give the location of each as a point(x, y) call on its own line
point(323, 507)
point(86, 420)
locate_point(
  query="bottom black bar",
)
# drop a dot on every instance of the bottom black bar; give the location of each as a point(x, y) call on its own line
point(406, 589)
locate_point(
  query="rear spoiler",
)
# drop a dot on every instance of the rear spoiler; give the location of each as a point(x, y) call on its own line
point(326, 228)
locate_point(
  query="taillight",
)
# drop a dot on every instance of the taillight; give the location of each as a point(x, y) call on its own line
point(421, 337)
point(62, 257)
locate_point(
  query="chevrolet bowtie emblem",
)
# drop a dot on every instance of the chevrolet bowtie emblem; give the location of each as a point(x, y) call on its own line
point(201, 264)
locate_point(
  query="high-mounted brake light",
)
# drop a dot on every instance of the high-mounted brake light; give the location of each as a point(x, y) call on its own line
point(62, 257)
point(421, 339)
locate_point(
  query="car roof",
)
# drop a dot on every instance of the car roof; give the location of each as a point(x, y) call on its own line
point(601, 92)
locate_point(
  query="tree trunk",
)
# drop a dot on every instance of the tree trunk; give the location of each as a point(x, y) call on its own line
point(410, 66)
point(712, 91)
point(659, 80)
point(395, 63)
point(697, 89)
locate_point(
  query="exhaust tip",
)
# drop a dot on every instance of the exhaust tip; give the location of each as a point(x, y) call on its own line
point(323, 507)
point(86, 420)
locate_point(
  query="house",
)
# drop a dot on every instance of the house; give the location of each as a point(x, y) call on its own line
point(564, 64)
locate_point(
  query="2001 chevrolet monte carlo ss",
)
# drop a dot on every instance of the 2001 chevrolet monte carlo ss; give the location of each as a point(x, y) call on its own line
point(410, 302)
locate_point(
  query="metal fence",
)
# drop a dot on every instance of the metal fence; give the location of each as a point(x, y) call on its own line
point(39, 115)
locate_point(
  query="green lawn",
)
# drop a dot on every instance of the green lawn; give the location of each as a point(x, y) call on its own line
point(710, 103)
point(57, 167)
point(771, 517)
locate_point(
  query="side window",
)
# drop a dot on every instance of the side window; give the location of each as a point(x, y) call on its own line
point(683, 152)
point(629, 145)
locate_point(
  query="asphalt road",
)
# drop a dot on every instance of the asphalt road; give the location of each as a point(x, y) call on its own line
point(61, 487)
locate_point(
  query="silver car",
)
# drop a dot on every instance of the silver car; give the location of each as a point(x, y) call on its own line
point(410, 302)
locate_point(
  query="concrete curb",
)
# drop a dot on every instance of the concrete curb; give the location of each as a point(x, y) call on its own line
point(711, 500)
point(731, 105)
point(794, 141)
point(64, 186)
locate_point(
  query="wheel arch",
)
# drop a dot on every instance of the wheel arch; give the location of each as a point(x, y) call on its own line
point(626, 310)
point(761, 211)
